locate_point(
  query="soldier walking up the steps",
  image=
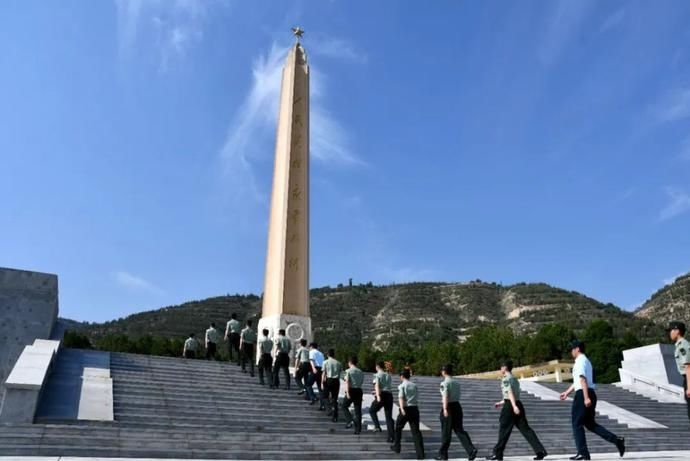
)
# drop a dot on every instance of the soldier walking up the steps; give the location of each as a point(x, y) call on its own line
point(332, 369)
point(247, 341)
point(676, 331)
point(190, 347)
point(513, 414)
point(302, 367)
point(353, 394)
point(383, 398)
point(409, 413)
point(585, 404)
point(266, 359)
point(316, 364)
point(212, 340)
point(232, 336)
point(451, 416)
point(282, 346)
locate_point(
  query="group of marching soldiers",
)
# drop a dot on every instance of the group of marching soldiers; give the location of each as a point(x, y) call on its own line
point(326, 372)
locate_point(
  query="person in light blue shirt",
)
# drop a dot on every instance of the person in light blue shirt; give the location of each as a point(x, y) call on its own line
point(585, 404)
point(314, 376)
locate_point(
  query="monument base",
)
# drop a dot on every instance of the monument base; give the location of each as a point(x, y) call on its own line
point(296, 327)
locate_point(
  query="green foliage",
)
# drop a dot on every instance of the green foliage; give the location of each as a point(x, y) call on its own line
point(484, 350)
point(76, 340)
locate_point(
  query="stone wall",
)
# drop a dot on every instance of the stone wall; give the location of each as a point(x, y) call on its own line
point(28, 310)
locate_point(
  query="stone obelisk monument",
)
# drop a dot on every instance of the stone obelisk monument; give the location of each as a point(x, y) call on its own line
point(286, 286)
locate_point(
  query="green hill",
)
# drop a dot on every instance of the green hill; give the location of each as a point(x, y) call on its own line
point(672, 302)
point(375, 315)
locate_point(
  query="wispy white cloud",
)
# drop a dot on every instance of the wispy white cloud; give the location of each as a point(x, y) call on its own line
point(134, 282)
point(336, 48)
point(612, 21)
point(684, 153)
point(563, 24)
point(175, 25)
point(673, 105)
point(670, 280)
point(678, 203)
point(253, 127)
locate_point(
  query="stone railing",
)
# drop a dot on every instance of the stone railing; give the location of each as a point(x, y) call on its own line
point(554, 371)
point(26, 380)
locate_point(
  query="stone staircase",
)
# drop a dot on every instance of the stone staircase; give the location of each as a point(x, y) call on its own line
point(177, 408)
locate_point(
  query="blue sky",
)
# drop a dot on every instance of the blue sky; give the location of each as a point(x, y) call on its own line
point(506, 141)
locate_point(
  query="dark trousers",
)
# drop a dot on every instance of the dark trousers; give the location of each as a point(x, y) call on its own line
point(387, 404)
point(211, 350)
point(411, 416)
point(507, 421)
point(354, 398)
point(301, 374)
point(248, 356)
point(311, 379)
point(330, 393)
point(583, 417)
point(282, 361)
point(685, 393)
point(190, 354)
point(453, 423)
point(234, 346)
point(266, 366)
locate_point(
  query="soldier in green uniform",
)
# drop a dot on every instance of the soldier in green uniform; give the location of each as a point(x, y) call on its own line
point(232, 336)
point(282, 346)
point(247, 342)
point(353, 394)
point(302, 366)
point(330, 382)
point(383, 398)
point(676, 331)
point(409, 413)
point(513, 414)
point(212, 339)
point(265, 359)
point(451, 416)
point(190, 347)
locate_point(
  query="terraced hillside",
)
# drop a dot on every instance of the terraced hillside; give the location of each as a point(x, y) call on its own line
point(374, 314)
point(670, 302)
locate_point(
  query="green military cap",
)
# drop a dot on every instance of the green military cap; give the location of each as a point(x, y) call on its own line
point(675, 325)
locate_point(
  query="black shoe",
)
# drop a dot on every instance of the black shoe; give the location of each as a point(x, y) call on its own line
point(244, 371)
point(322, 408)
point(301, 392)
point(579, 457)
point(330, 413)
point(473, 455)
point(620, 444)
point(357, 432)
point(390, 440)
point(441, 457)
point(495, 458)
point(335, 420)
point(395, 449)
point(350, 425)
point(261, 384)
point(541, 455)
point(377, 429)
point(313, 401)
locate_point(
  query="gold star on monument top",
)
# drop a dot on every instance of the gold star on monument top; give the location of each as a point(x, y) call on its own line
point(297, 32)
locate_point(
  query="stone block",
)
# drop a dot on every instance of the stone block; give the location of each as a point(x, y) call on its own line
point(28, 310)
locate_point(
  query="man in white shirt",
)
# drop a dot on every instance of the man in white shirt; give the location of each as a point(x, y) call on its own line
point(585, 404)
point(316, 361)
